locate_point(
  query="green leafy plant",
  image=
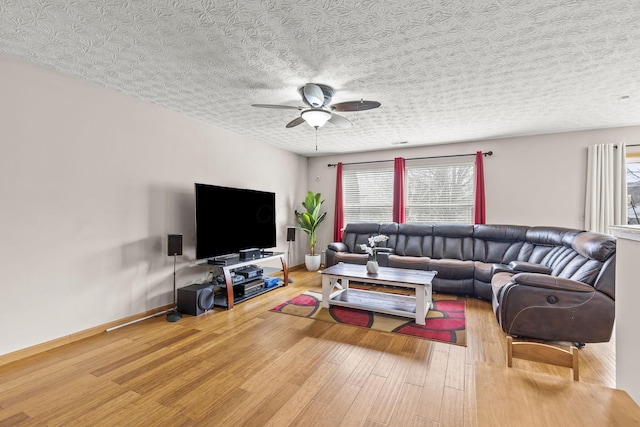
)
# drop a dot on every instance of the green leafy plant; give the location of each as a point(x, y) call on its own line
point(310, 219)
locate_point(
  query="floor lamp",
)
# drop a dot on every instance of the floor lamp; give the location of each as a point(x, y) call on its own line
point(174, 247)
point(291, 237)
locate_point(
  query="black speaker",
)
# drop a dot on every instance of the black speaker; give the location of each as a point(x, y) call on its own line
point(195, 299)
point(174, 244)
point(291, 234)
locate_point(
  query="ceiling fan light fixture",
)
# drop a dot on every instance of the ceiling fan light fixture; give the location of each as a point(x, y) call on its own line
point(316, 117)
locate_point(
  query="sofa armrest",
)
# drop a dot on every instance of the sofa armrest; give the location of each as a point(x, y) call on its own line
point(550, 282)
point(529, 267)
point(338, 247)
point(500, 268)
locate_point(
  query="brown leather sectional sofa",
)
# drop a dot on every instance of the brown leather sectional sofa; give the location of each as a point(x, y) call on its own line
point(547, 283)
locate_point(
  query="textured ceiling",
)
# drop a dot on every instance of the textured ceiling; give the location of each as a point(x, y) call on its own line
point(444, 71)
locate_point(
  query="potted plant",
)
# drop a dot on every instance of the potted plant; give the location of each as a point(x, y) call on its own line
point(308, 222)
point(372, 251)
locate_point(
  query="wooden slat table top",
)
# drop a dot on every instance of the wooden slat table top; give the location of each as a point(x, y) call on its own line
point(389, 274)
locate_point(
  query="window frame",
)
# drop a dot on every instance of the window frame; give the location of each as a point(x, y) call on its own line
point(633, 197)
point(383, 201)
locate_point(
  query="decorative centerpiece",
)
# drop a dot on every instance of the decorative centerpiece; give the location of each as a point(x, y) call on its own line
point(370, 249)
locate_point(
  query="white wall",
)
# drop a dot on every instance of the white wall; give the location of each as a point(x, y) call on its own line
point(535, 180)
point(91, 182)
point(627, 316)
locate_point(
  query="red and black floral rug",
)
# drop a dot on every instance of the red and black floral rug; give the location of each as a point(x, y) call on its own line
point(444, 323)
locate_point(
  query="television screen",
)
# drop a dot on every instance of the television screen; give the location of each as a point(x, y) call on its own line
point(231, 219)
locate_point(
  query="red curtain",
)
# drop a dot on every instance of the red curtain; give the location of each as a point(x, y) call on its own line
point(479, 214)
point(398, 190)
point(338, 220)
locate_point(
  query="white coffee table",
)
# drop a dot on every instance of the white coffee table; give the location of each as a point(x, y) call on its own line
point(336, 291)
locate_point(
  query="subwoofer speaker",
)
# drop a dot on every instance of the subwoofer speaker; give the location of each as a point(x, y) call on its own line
point(291, 234)
point(195, 299)
point(174, 244)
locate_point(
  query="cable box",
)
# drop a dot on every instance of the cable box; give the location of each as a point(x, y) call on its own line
point(235, 278)
point(252, 253)
point(250, 271)
point(253, 287)
point(224, 261)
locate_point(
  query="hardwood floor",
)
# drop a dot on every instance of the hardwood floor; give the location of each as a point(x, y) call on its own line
point(252, 367)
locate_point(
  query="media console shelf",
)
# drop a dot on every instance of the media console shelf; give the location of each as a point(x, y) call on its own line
point(229, 300)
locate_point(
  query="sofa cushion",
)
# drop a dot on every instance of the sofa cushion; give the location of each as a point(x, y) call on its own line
point(498, 243)
point(452, 241)
point(350, 258)
point(389, 229)
point(542, 241)
point(581, 269)
point(452, 268)
point(358, 233)
point(411, 262)
point(483, 271)
point(594, 246)
point(414, 240)
point(453, 286)
point(550, 236)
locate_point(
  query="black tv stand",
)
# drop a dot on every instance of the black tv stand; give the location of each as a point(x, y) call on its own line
point(237, 264)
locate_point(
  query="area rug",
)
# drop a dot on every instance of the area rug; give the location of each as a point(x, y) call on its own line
point(444, 323)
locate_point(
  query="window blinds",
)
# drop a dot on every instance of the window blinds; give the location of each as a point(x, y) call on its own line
point(368, 195)
point(440, 193)
point(435, 193)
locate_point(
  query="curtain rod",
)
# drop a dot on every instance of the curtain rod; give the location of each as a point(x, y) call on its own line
point(488, 153)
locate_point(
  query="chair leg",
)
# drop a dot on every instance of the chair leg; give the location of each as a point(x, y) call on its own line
point(575, 367)
point(543, 353)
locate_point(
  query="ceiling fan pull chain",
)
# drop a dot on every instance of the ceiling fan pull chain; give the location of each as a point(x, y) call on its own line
point(316, 138)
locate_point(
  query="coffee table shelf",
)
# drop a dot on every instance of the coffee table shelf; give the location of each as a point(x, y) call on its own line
point(380, 302)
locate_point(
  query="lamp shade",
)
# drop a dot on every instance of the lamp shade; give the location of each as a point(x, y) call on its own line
point(316, 117)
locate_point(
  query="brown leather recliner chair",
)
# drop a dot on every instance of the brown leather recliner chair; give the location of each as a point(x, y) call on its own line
point(565, 292)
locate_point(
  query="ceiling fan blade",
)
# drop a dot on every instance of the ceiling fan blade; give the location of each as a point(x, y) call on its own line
point(361, 105)
point(340, 121)
point(287, 107)
point(295, 122)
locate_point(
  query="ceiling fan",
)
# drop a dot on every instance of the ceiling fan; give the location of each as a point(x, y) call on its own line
point(318, 109)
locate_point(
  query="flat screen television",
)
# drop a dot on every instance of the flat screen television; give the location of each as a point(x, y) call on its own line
point(232, 219)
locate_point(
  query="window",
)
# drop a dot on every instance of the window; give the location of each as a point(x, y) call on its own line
point(435, 193)
point(367, 194)
point(633, 188)
point(440, 193)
